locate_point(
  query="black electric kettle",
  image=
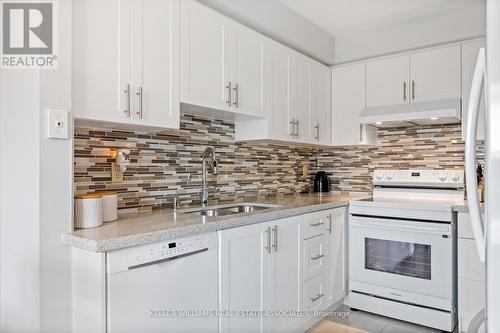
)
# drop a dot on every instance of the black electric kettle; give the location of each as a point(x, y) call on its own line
point(321, 183)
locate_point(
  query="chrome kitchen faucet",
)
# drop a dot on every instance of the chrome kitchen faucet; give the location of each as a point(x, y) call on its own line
point(209, 152)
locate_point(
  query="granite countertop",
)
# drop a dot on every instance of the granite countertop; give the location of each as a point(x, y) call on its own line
point(164, 224)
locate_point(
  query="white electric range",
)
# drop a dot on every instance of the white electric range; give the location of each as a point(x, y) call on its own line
point(403, 247)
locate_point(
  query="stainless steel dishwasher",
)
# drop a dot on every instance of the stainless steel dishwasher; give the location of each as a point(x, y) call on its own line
point(163, 287)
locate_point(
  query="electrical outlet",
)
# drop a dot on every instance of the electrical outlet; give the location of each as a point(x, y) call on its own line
point(58, 124)
point(116, 173)
point(305, 170)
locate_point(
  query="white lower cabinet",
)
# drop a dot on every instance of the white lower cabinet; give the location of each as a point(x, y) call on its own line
point(244, 277)
point(279, 267)
point(337, 259)
point(471, 275)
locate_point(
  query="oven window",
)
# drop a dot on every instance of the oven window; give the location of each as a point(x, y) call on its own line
point(400, 258)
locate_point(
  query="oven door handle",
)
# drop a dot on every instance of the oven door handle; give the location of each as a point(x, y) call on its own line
point(385, 225)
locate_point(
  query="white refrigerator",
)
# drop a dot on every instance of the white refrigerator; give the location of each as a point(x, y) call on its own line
point(487, 231)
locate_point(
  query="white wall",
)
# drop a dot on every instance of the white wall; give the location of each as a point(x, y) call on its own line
point(19, 214)
point(429, 29)
point(274, 19)
point(35, 196)
point(56, 178)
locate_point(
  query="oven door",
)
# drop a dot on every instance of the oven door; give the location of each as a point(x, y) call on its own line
point(402, 260)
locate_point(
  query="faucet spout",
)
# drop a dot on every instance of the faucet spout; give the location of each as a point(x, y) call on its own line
point(208, 153)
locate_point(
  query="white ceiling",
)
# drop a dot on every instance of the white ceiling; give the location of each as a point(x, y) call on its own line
point(338, 16)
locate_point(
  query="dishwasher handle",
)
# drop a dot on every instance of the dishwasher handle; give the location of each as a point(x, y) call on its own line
point(159, 261)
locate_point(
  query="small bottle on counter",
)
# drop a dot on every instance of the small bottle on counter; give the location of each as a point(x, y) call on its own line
point(480, 182)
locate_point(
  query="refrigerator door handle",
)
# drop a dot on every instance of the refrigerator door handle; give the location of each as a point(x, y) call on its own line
point(476, 322)
point(470, 154)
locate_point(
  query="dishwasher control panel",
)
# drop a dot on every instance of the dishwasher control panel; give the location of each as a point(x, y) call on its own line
point(156, 253)
point(165, 250)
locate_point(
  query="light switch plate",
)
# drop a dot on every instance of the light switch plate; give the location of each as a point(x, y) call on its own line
point(58, 124)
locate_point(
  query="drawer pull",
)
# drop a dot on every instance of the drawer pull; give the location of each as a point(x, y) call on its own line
point(319, 256)
point(314, 299)
point(316, 224)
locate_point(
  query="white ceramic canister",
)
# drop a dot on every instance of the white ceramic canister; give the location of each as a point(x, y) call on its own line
point(109, 206)
point(88, 210)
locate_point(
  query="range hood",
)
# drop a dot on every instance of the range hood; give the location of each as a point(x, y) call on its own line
point(422, 113)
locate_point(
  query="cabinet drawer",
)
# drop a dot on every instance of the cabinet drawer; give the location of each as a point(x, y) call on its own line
point(314, 256)
point(469, 266)
point(314, 294)
point(316, 223)
point(471, 300)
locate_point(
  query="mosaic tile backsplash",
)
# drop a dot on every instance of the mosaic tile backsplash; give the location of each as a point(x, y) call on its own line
point(168, 163)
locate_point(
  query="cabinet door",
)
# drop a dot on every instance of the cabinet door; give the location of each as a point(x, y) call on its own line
point(280, 127)
point(249, 68)
point(435, 74)
point(155, 59)
point(244, 277)
point(101, 60)
point(301, 95)
point(348, 100)
point(469, 59)
point(321, 113)
point(336, 273)
point(204, 58)
point(387, 81)
point(285, 272)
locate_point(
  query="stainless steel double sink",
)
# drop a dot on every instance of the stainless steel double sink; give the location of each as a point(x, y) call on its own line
point(229, 209)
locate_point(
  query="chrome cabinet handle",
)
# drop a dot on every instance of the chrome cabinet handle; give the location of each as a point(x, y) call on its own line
point(330, 218)
point(268, 234)
point(228, 93)
point(293, 127)
point(404, 90)
point(275, 234)
point(236, 101)
point(317, 132)
point(139, 93)
point(360, 132)
point(127, 98)
point(297, 134)
point(319, 256)
point(314, 299)
point(317, 224)
point(412, 90)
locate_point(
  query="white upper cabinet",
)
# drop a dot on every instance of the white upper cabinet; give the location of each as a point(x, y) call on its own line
point(204, 60)
point(224, 65)
point(387, 81)
point(280, 122)
point(249, 71)
point(155, 70)
point(423, 76)
point(300, 97)
point(101, 60)
point(133, 79)
point(470, 52)
point(435, 74)
point(320, 130)
point(348, 100)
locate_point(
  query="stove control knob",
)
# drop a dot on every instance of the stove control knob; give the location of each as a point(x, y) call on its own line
point(442, 176)
point(379, 175)
point(389, 175)
point(455, 176)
